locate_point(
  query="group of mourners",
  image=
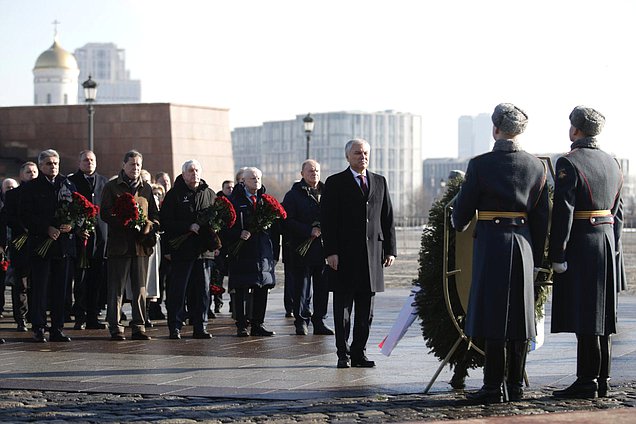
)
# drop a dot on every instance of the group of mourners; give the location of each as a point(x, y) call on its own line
point(67, 237)
point(337, 236)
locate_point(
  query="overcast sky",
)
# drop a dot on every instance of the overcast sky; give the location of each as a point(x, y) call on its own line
point(271, 60)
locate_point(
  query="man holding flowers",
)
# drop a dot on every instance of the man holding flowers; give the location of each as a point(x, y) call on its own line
point(306, 256)
point(129, 209)
point(254, 251)
point(188, 215)
point(50, 242)
point(89, 268)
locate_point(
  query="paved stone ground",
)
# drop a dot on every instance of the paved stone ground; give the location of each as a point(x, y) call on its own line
point(287, 378)
point(30, 406)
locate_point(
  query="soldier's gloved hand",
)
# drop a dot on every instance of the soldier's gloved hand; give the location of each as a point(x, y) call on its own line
point(559, 268)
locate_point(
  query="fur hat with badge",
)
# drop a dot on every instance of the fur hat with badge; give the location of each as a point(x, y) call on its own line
point(509, 119)
point(587, 120)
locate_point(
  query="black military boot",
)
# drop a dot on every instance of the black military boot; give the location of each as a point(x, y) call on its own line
point(516, 353)
point(494, 366)
point(606, 365)
point(588, 363)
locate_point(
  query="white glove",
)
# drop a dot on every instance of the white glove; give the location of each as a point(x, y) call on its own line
point(559, 268)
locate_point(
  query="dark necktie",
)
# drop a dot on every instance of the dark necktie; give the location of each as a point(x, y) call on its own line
point(363, 184)
point(91, 180)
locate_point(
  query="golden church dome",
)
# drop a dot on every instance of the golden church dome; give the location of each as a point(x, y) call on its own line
point(56, 57)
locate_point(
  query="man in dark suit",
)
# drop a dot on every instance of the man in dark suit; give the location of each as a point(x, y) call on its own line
point(51, 269)
point(359, 239)
point(88, 281)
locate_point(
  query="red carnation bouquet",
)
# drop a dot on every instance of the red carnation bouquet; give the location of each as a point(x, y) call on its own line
point(216, 217)
point(86, 213)
point(77, 212)
point(4, 262)
point(129, 212)
point(267, 211)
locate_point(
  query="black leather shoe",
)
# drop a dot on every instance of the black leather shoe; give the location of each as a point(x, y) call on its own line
point(301, 328)
point(515, 393)
point(288, 315)
point(22, 328)
point(95, 326)
point(175, 335)
point(242, 332)
point(118, 337)
point(211, 315)
point(149, 324)
point(59, 336)
point(343, 363)
point(323, 330)
point(201, 335)
point(140, 336)
point(363, 362)
point(260, 330)
point(79, 325)
point(486, 395)
point(578, 390)
point(39, 337)
point(2, 341)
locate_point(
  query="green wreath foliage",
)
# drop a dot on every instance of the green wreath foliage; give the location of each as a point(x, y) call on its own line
point(438, 328)
point(437, 325)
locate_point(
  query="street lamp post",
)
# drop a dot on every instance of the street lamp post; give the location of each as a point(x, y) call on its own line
point(308, 123)
point(90, 92)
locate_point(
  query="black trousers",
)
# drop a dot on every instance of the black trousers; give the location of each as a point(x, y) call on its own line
point(258, 305)
point(191, 280)
point(48, 276)
point(87, 288)
point(308, 284)
point(343, 308)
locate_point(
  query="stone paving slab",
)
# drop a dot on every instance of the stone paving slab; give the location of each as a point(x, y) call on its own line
point(285, 366)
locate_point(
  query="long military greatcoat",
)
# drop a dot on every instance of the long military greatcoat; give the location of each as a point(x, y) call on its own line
point(501, 303)
point(584, 297)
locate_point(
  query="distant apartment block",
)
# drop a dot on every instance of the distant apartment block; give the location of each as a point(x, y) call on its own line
point(107, 65)
point(278, 148)
point(474, 135)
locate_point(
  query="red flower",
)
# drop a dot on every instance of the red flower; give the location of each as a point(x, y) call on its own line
point(77, 212)
point(267, 211)
point(129, 212)
point(4, 262)
point(216, 217)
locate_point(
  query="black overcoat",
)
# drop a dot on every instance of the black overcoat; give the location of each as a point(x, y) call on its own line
point(94, 195)
point(584, 297)
point(253, 265)
point(38, 204)
point(357, 228)
point(501, 303)
point(303, 214)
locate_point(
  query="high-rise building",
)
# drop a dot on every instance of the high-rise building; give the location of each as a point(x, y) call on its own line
point(55, 77)
point(106, 64)
point(278, 148)
point(475, 135)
